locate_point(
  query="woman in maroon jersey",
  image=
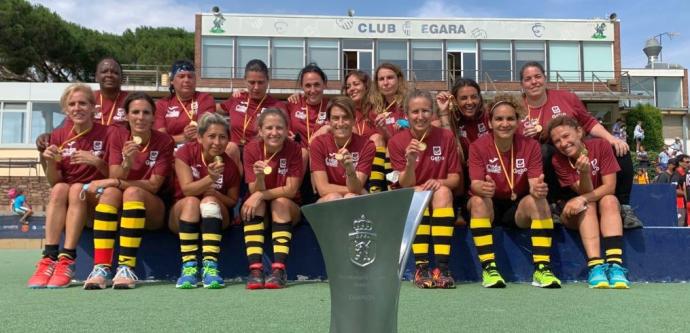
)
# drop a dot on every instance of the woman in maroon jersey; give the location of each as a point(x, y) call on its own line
point(207, 186)
point(591, 208)
point(545, 104)
point(426, 158)
point(140, 160)
point(179, 113)
point(340, 160)
point(273, 171)
point(244, 107)
point(386, 98)
point(357, 85)
point(508, 189)
point(73, 158)
point(462, 111)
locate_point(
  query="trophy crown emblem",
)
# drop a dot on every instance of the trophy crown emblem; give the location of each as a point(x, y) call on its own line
point(363, 224)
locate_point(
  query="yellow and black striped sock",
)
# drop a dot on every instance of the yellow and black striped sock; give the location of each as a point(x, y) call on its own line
point(594, 261)
point(189, 240)
point(441, 233)
point(483, 237)
point(131, 229)
point(377, 179)
point(388, 168)
point(613, 246)
point(281, 234)
point(541, 231)
point(210, 238)
point(104, 233)
point(420, 247)
point(254, 239)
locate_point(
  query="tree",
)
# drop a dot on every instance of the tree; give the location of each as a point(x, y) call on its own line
point(651, 123)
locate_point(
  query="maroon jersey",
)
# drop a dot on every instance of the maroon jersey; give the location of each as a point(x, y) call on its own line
point(243, 113)
point(322, 156)
point(527, 164)
point(436, 162)
point(154, 158)
point(303, 113)
point(601, 159)
point(286, 163)
point(558, 103)
point(364, 126)
point(171, 114)
point(190, 154)
point(109, 112)
point(94, 141)
point(470, 129)
point(396, 113)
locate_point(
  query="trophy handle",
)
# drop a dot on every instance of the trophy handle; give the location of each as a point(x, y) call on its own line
point(420, 200)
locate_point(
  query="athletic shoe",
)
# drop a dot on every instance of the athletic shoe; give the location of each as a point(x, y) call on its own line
point(44, 270)
point(98, 279)
point(124, 278)
point(278, 278)
point(630, 220)
point(255, 280)
point(188, 278)
point(422, 277)
point(210, 275)
point(544, 278)
point(491, 278)
point(442, 279)
point(617, 278)
point(597, 277)
point(64, 271)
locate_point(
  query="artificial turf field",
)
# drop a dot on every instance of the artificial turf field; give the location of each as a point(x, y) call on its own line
point(305, 307)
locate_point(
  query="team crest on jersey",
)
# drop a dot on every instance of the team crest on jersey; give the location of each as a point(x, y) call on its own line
point(218, 185)
point(556, 111)
point(481, 127)
point(242, 107)
point(98, 145)
point(120, 115)
point(321, 118)
point(282, 166)
point(301, 114)
point(520, 167)
point(437, 154)
point(153, 155)
point(462, 131)
point(355, 158)
point(331, 161)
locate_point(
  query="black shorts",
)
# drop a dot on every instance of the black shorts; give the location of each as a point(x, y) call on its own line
point(504, 212)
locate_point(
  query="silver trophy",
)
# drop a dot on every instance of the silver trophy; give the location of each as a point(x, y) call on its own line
point(365, 242)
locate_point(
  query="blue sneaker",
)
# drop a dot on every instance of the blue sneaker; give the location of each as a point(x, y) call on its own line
point(617, 278)
point(210, 275)
point(188, 278)
point(597, 277)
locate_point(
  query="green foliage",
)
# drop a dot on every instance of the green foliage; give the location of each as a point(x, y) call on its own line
point(651, 123)
point(37, 45)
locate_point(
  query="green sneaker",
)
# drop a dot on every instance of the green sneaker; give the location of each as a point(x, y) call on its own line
point(491, 278)
point(188, 279)
point(544, 278)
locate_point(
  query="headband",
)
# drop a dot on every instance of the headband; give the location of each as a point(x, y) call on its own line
point(182, 66)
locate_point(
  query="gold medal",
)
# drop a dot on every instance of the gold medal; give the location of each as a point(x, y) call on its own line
point(339, 156)
point(421, 146)
point(219, 159)
point(513, 196)
point(538, 128)
point(137, 139)
point(243, 141)
point(193, 123)
point(584, 152)
point(267, 170)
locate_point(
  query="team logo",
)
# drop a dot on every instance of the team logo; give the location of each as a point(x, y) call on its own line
point(538, 30)
point(595, 166)
point(481, 128)
point(302, 114)
point(195, 172)
point(556, 110)
point(345, 23)
point(282, 166)
point(218, 21)
point(120, 115)
point(98, 145)
point(280, 26)
point(153, 156)
point(218, 185)
point(520, 163)
point(407, 28)
point(599, 31)
point(362, 242)
point(437, 150)
point(321, 118)
point(173, 112)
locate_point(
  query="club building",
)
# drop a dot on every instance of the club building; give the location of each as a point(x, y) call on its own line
point(579, 55)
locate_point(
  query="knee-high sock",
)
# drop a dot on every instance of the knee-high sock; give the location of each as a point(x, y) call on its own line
point(281, 234)
point(189, 240)
point(420, 247)
point(483, 237)
point(613, 246)
point(377, 179)
point(254, 239)
point(131, 229)
point(441, 233)
point(388, 167)
point(541, 240)
point(210, 237)
point(104, 233)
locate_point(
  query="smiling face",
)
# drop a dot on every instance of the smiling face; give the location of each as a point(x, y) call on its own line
point(504, 121)
point(419, 114)
point(273, 130)
point(312, 85)
point(108, 75)
point(184, 83)
point(533, 82)
point(567, 140)
point(257, 84)
point(78, 108)
point(387, 82)
point(355, 88)
point(469, 101)
point(214, 140)
point(140, 116)
point(341, 122)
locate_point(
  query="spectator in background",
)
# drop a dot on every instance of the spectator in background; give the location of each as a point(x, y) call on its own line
point(638, 134)
point(20, 206)
point(662, 158)
point(642, 177)
point(677, 146)
point(664, 177)
point(642, 158)
point(679, 180)
point(617, 129)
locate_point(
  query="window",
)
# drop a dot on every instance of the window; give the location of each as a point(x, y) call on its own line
point(13, 123)
point(527, 52)
point(668, 92)
point(427, 60)
point(564, 61)
point(44, 118)
point(394, 52)
point(248, 49)
point(598, 60)
point(287, 58)
point(495, 60)
point(324, 52)
point(216, 57)
point(462, 58)
point(640, 87)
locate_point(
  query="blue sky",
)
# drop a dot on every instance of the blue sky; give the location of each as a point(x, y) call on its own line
point(640, 20)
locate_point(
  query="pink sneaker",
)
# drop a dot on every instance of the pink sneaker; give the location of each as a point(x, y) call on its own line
point(44, 270)
point(64, 271)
